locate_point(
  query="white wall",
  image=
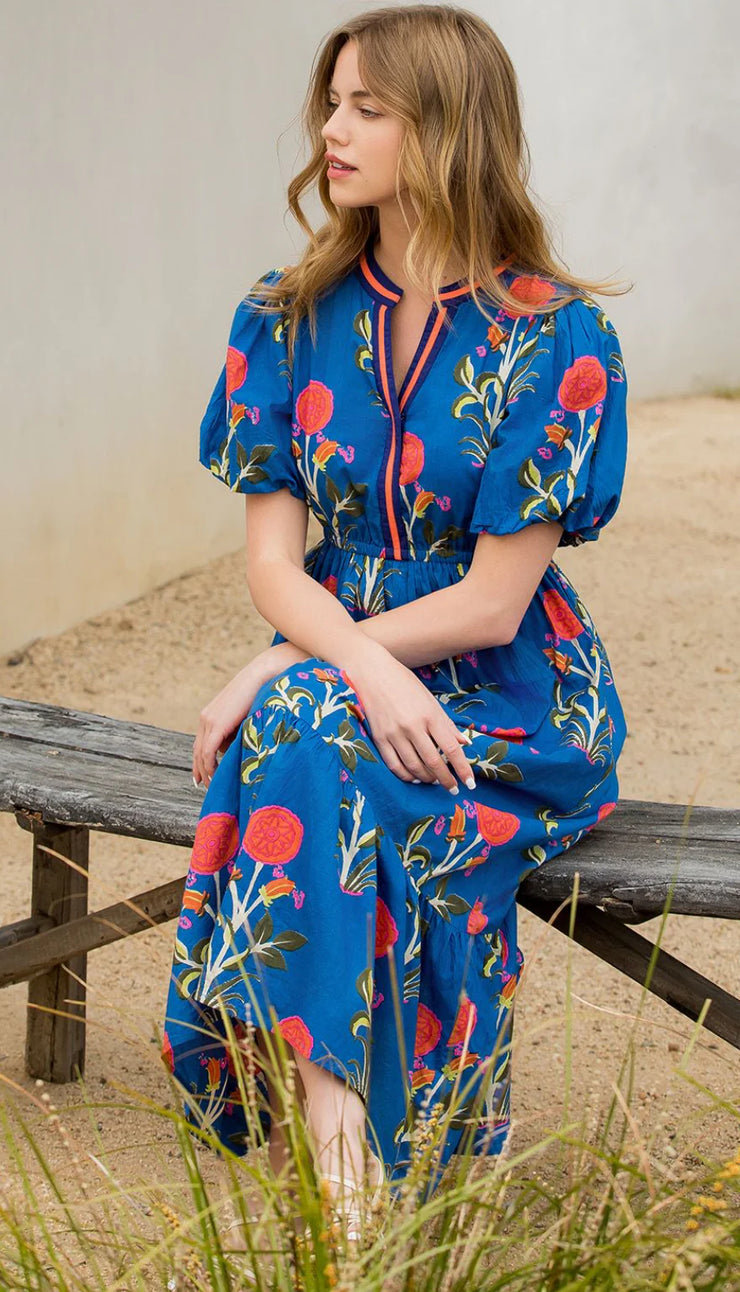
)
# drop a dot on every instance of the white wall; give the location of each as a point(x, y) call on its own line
point(145, 153)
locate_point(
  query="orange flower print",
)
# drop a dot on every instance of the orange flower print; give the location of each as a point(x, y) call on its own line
point(238, 413)
point(476, 919)
point(276, 888)
point(565, 623)
point(192, 900)
point(324, 676)
point(295, 1032)
point(605, 810)
point(428, 1030)
point(495, 336)
point(422, 501)
point(386, 929)
point(457, 1061)
point(167, 1053)
point(249, 1062)
point(236, 369)
point(563, 663)
point(557, 435)
point(496, 826)
point(531, 290)
point(508, 990)
point(466, 1019)
point(457, 825)
point(422, 1077)
point(412, 458)
point(273, 835)
point(326, 450)
point(216, 842)
point(583, 385)
point(314, 407)
point(213, 1068)
point(330, 582)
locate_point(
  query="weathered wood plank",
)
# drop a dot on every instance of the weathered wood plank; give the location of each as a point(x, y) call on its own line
point(674, 982)
point(100, 791)
point(48, 724)
point(19, 930)
point(98, 929)
point(55, 1037)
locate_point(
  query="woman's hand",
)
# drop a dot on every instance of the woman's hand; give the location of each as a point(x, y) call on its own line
point(409, 725)
point(221, 717)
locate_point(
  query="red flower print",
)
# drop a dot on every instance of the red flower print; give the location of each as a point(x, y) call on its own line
point(412, 458)
point(428, 1030)
point(386, 929)
point(314, 407)
point(565, 623)
point(330, 582)
point(476, 919)
point(531, 290)
point(236, 369)
point(467, 1017)
point(605, 810)
point(496, 827)
point(513, 734)
point(216, 841)
point(167, 1053)
point(296, 1033)
point(273, 835)
point(583, 385)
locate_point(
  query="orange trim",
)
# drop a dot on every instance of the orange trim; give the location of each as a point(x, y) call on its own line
point(382, 323)
point(367, 271)
point(438, 323)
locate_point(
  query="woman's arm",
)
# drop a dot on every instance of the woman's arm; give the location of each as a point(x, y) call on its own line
point(483, 609)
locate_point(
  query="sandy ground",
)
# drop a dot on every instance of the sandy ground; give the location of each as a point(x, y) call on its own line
point(662, 586)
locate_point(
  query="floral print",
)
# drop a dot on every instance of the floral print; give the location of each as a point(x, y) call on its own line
point(322, 888)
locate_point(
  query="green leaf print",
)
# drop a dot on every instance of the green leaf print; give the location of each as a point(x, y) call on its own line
point(528, 475)
point(464, 371)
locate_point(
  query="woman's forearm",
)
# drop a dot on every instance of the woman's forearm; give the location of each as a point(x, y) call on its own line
point(447, 622)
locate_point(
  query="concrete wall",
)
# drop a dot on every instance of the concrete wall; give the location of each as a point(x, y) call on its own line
point(145, 153)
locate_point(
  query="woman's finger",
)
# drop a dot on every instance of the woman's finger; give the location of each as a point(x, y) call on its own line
point(450, 748)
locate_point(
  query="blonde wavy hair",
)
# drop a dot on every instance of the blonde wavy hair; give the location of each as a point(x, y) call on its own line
point(464, 158)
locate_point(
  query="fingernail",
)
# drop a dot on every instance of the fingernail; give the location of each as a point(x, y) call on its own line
point(470, 783)
point(416, 781)
point(454, 789)
point(195, 783)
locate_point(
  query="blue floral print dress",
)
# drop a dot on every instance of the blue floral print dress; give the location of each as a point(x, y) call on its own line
point(321, 885)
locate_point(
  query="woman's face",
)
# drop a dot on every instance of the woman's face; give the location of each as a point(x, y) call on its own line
point(359, 132)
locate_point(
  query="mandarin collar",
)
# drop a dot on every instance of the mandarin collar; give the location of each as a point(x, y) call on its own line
point(379, 285)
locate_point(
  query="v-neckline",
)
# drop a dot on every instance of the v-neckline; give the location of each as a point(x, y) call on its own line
point(387, 294)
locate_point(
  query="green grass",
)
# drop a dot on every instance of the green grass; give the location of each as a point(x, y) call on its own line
point(596, 1204)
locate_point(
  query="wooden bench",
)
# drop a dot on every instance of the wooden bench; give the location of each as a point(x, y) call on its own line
point(64, 773)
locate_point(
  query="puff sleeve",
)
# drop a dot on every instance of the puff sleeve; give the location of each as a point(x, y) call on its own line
point(245, 435)
point(559, 450)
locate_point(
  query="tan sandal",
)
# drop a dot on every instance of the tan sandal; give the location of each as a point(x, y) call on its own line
point(350, 1215)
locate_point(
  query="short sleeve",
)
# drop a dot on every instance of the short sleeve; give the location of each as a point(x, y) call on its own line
point(559, 450)
point(245, 435)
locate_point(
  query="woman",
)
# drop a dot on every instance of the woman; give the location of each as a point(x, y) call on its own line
point(450, 405)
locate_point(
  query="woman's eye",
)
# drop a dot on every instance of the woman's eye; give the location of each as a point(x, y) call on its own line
point(365, 112)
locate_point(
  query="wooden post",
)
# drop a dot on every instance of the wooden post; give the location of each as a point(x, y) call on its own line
point(55, 1036)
